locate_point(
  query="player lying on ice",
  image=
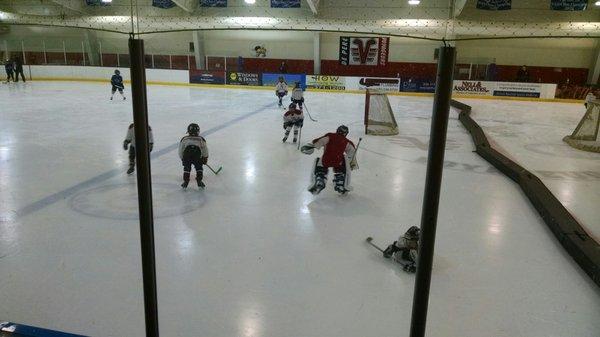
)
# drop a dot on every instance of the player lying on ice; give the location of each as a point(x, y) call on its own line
point(339, 154)
point(193, 151)
point(293, 118)
point(405, 250)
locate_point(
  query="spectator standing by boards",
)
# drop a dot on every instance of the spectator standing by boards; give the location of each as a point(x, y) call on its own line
point(19, 69)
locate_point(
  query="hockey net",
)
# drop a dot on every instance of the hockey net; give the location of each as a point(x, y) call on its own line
point(379, 117)
point(585, 136)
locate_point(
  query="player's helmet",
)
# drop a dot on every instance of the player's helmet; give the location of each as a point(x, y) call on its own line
point(281, 79)
point(342, 130)
point(193, 129)
point(297, 84)
point(412, 233)
point(292, 106)
point(117, 72)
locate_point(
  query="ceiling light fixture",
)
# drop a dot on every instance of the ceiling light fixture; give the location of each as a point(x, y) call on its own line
point(106, 1)
point(250, 1)
point(414, 2)
point(597, 3)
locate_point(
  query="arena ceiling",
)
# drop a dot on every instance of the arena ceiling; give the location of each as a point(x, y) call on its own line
point(432, 19)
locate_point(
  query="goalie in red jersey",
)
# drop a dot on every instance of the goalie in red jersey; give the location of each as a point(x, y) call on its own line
point(339, 154)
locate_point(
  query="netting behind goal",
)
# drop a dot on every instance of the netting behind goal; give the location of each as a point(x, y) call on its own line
point(585, 136)
point(379, 117)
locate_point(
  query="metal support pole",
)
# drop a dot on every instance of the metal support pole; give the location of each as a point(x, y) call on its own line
point(152, 61)
point(188, 59)
point(23, 52)
point(118, 60)
point(433, 181)
point(144, 183)
point(100, 52)
point(45, 56)
point(83, 52)
point(170, 61)
point(65, 51)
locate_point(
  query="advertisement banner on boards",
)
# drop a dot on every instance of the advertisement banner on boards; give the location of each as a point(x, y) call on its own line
point(417, 85)
point(236, 78)
point(207, 77)
point(270, 80)
point(508, 89)
point(326, 82)
point(364, 51)
point(285, 3)
point(213, 3)
point(389, 84)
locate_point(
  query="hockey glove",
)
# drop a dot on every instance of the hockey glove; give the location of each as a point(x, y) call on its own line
point(125, 145)
point(353, 165)
point(308, 148)
point(204, 160)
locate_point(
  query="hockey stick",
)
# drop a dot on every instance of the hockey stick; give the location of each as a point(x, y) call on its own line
point(308, 112)
point(356, 150)
point(213, 171)
point(370, 241)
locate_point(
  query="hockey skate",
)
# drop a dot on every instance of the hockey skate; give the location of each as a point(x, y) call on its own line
point(111, 98)
point(340, 183)
point(317, 187)
point(200, 184)
point(185, 184)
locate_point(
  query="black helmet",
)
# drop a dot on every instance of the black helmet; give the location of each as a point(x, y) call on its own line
point(342, 130)
point(412, 233)
point(292, 106)
point(193, 129)
point(117, 72)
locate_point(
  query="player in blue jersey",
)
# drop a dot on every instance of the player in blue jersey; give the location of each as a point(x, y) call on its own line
point(117, 84)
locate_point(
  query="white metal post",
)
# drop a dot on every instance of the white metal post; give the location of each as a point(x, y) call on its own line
point(152, 60)
point(65, 51)
point(44, 49)
point(23, 52)
point(83, 52)
point(118, 61)
point(100, 52)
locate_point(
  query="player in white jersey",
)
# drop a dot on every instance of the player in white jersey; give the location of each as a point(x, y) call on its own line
point(193, 151)
point(298, 95)
point(589, 98)
point(129, 143)
point(405, 250)
point(281, 90)
point(293, 118)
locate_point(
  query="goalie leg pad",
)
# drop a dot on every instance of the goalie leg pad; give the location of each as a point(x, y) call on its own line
point(318, 177)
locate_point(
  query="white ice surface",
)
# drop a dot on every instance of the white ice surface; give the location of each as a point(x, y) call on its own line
point(256, 254)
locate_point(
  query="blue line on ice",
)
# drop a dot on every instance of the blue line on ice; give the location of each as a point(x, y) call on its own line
point(61, 195)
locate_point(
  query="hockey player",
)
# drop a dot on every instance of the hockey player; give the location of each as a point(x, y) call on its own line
point(589, 98)
point(117, 84)
point(338, 154)
point(293, 118)
point(405, 250)
point(281, 90)
point(129, 143)
point(193, 151)
point(9, 68)
point(298, 95)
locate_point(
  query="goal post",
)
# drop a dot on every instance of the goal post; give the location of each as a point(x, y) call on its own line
point(379, 117)
point(585, 136)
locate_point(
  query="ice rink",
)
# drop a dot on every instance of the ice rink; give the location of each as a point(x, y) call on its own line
point(255, 254)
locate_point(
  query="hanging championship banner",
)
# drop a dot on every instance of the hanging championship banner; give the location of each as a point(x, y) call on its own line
point(285, 3)
point(164, 4)
point(494, 5)
point(213, 3)
point(568, 5)
point(366, 51)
